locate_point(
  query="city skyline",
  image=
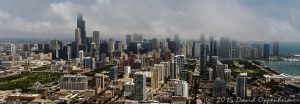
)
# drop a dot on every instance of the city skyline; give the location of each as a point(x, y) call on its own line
point(243, 20)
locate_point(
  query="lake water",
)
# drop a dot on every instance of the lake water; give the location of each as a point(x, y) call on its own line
point(287, 67)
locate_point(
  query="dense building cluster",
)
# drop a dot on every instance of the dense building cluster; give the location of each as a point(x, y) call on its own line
point(138, 69)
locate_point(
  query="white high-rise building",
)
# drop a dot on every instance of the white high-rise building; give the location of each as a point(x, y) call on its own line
point(160, 68)
point(210, 74)
point(77, 37)
point(227, 76)
point(11, 49)
point(166, 69)
point(81, 55)
point(139, 92)
point(99, 82)
point(127, 71)
point(181, 88)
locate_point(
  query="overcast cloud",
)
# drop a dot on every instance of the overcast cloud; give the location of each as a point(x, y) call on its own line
point(245, 20)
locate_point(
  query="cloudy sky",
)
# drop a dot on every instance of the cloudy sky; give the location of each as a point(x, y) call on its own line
point(240, 19)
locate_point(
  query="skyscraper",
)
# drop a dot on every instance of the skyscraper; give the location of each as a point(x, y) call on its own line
point(128, 38)
point(219, 88)
point(174, 70)
point(203, 67)
point(196, 49)
point(113, 73)
point(177, 43)
point(127, 71)
point(214, 65)
point(227, 76)
point(137, 37)
point(81, 26)
point(235, 50)
point(220, 72)
point(73, 83)
point(78, 39)
point(139, 90)
point(202, 38)
point(155, 78)
point(99, 82)
point(161, 69)
point(266, 51)
point(96, 38)
point(212, 49)
point(275, 48)
point(166, 69)
point(181, 88)
point(241, 85)
point(180, 63)
point(225, 48)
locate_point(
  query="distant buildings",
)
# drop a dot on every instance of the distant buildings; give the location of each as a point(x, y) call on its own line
point(73, 83)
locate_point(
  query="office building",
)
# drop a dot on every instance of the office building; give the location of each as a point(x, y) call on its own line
point(113, 73)
point(181, 88)
point(73, 83)
point(174, 70)
point(96, 38)
point(155, 78)
point(203, 66)
point(138, 38)
point(161, 71)
point(275, 48)
point(99, 82)
point(266, 51)
point(77, 38)
point(127, 71)
point(241, 85)
point(220, 72)
point(139, 91)
point(225, 48)
point(219, 88)
point(227, 76)
point(81, 26)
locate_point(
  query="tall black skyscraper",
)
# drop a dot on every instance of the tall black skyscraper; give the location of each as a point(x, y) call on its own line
point(81, 26)
point(203, 68)
point(212, 49)
point(266, 51)
point(275, 48)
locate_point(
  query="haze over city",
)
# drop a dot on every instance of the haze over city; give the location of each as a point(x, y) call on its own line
point(260, 20)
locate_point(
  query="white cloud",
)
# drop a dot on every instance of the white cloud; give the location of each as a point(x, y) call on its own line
point(155, 18)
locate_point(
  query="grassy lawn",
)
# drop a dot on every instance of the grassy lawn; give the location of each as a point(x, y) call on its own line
point(238, 70)
point(26, 80)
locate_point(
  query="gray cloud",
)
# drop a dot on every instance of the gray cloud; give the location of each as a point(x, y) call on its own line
point(155, 18)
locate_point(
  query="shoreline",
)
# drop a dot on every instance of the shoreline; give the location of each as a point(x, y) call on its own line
point(276, 71)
